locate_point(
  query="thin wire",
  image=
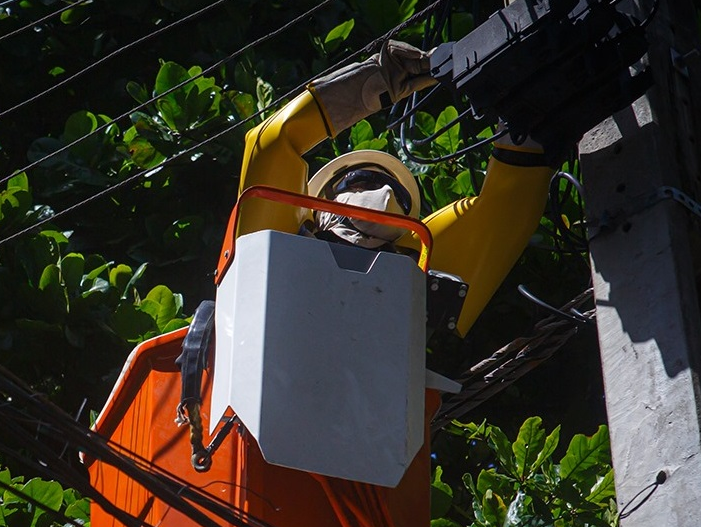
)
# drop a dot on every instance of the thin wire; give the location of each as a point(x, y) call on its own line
point(178, 155)
point(370, 47)
point(109, 56)
point(170, 90)
point(574, 317)
point(35, 23)
point(146, 172)
point(168, 488)
point(448, 157)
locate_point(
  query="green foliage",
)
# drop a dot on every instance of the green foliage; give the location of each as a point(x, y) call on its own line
point(525, 486)
point(443, 183)
point(18, 503)
point(76, 297)
point(83, 304)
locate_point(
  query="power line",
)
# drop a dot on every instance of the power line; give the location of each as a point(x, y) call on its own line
point(149, 171)
point(109, 56)
point(192, 149)
point(174, 491)
point(170, 90)
point(35, 23)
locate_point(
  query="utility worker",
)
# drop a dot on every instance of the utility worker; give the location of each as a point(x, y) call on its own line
point(478, 239)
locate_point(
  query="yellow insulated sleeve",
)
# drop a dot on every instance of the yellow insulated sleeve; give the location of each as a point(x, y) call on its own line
point(273, 156)
point(480, 239)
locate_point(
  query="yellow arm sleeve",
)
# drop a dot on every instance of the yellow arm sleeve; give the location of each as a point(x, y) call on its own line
point(480, 239)
point(273, 156)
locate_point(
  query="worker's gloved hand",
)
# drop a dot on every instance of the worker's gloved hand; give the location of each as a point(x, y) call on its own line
point(361, 89)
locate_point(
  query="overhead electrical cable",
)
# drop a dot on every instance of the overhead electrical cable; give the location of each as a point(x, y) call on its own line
point(35, 23)
point(173, 491)
point(168, 91)
point(370, 47)
point(107, 57)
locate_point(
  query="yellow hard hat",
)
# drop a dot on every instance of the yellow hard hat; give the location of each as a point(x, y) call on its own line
point(323, 182)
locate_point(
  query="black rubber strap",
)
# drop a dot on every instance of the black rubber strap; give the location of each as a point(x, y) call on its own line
point(193, 359)
point(519, 159)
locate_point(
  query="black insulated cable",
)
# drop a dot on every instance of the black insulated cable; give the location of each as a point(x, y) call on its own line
point(41, 20)
point(204, 72)
point(422, 14)
point(107, 57)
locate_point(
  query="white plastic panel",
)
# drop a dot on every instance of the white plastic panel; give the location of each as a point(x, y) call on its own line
point(324, 365)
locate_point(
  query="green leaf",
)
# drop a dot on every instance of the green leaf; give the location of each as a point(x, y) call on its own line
point(132, 323)
point(406, 9)
point(265, 93)
point(137, 91)
point(492, 480)
point(449, 141)
point(78, 125)
point(137, 275)
point(172, 107)
point(34, 254)
point(72, 266)
point(360, 132)
point(144, 154)
point(464, 180)
point(493, 508)
point(519, 512)
point(50, 278)
point(446, 190)
point(549, 447)
point(372, 144)
point(501, 446)
point(120, 277)
point(167, 305)
point(175, 324)
point(337, 35)
point(48, 493)
point(470, 485)
point(604, 489)
point(79, 510)
point(444, 522)
point(585, 452)
point(425, 123)
point(19, 181)
point(202, 102)
point(528, 445)
point(55, 237)
point(441, 495)
point(245, 104)
point(15, 203)
point(95, 272)
point(74, 15)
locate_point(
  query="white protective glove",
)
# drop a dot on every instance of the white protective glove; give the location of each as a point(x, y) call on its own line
point(361, 89)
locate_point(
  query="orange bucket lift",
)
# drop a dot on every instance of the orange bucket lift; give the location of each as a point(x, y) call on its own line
point(320, 352)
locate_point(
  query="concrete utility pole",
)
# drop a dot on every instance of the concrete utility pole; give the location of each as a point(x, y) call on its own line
point(640, 169)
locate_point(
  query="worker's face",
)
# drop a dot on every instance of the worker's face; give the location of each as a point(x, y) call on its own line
point(373, 180)
point(382, 199)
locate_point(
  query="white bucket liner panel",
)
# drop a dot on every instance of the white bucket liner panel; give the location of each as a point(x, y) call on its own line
point(320, 350)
